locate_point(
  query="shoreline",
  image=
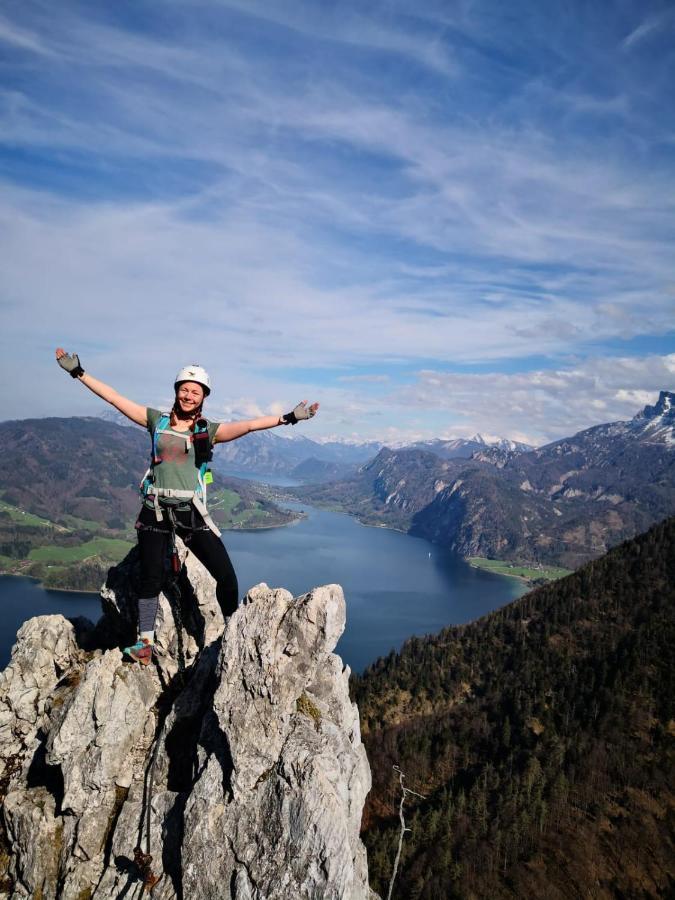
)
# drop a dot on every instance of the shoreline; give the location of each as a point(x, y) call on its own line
point(62, 590)
point(45, 587)
point(352, 515)
point(522, 578)
point(475, 563)
point(252, 528)
point(379, 525)
point(297, 517)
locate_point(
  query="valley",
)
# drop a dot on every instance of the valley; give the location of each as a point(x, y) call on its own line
point(514, 510)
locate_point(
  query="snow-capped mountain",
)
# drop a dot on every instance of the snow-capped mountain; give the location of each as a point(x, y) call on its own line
point(502, 443)
point(464, 448)
point(656, 423)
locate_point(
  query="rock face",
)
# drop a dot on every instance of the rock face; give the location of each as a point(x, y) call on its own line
point(243, 777)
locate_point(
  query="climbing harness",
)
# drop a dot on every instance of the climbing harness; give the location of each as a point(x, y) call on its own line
point(203, 455)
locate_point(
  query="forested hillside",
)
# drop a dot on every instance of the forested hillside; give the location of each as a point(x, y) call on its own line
point(542, 738)
point(74, 468)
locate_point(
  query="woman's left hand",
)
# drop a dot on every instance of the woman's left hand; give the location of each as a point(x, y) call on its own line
point(301, 411)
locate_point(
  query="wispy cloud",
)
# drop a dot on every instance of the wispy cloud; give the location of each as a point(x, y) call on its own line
point(348, 24)
point(369, 379)
point(21, 38)
point(543, 405)
point(288, 186)
point(651, 25)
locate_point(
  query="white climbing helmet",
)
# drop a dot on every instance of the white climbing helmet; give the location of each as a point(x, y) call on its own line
point(194, 373)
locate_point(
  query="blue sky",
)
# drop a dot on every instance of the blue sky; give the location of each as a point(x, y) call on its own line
point(435, 218)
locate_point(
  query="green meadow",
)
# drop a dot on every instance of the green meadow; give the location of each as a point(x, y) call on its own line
point(107, 548)
point(517, 570)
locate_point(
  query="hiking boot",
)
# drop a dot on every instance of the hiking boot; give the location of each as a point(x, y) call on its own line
point(140, 652)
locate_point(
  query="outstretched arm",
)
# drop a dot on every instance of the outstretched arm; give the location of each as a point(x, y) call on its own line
point(230, 431)
point(128, 408)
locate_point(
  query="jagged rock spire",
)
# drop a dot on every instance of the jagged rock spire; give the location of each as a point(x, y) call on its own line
point(246, 778)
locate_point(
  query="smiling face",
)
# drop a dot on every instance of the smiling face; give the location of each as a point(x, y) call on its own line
point(189, 396)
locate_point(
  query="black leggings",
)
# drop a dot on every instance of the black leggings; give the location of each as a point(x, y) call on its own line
point(153, 545)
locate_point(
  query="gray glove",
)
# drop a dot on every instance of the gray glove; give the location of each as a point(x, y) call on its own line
point(71, 363)
point(301, 411)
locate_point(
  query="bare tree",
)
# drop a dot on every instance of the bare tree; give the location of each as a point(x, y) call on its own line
point(404, 793)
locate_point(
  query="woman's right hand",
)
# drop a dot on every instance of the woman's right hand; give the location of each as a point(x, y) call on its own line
point(70, 362)
point(134, 411)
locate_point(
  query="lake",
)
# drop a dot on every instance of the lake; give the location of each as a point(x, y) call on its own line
point(395, 585)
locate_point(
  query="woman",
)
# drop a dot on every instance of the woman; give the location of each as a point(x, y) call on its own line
point(174, 487)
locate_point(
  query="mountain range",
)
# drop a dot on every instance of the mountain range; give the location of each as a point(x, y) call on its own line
point(302, 459)
point(563, 503)
point(464, 448)
point(297, 457)
point(264, 453)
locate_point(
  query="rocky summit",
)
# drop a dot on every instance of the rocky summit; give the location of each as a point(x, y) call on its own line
point(230, 768)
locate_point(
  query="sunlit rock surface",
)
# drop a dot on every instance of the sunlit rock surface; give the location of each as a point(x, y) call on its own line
point(244, 777)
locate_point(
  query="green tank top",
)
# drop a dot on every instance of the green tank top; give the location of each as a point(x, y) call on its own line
point(174, 465)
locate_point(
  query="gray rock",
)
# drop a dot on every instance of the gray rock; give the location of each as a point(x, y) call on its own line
point(199, 612)
point(290, 796)
point(45, 650)
point(243, 778)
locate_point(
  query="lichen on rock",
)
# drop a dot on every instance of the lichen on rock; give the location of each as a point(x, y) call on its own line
point(242, 777)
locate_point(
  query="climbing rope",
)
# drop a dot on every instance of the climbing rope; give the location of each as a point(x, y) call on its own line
point(174, 596)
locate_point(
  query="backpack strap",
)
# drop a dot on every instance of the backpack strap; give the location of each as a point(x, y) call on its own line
point(147, 481)
point(161, 425)
point(203, 455)
point(197, 497)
